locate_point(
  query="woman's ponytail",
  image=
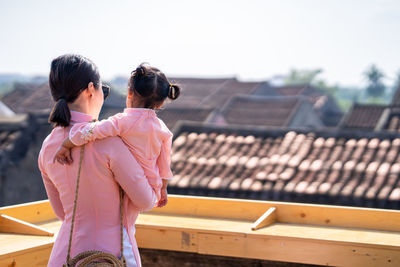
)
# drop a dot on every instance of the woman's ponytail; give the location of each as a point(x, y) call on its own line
point(174, 91)
point(60, 114)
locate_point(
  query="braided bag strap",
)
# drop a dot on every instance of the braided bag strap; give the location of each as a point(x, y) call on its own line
point(94, 257)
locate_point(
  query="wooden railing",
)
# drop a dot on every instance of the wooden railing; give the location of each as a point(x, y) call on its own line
point(291, 232)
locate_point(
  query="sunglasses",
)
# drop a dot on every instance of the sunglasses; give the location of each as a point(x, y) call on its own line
point(106, 91)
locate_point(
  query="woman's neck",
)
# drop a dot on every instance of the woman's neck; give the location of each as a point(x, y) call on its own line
point(82, 109)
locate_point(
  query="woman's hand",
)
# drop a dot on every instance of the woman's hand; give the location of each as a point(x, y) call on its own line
point(63, 154)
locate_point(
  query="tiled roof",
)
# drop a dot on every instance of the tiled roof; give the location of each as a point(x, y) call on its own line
point(18, 94)
point(172, 115)
point(195, 90)
point(314, 94)
point(323, 104)
point(37, 98)
point(29, 98)
point(341, 167)
point(228, 90)
point(259, 110)
point(363, 116)
point(209, 93)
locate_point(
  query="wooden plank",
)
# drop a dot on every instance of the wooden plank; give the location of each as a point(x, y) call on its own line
point(9, 224)
point(299, 213)
point(297, 250)
point(372, 238)
point(15, 243)
point(215, 226)
point(33, 212)
point(167, 239)
point(268, 218)
point(34, 257)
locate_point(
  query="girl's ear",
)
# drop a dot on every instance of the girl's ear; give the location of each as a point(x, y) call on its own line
point(129, 100)
point(130, 95)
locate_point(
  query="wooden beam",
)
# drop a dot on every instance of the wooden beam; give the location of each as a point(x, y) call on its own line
point(268, 218)
point(33, 212)
point(297, 213)
point(9, 224)
point(34, 257)
point(303, 233)
point(295, 250)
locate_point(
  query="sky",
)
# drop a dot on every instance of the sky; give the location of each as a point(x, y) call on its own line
point(250, 39)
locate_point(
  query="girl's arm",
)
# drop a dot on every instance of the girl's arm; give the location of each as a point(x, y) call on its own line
point(164, 160)
point(164, 168)
point(82, 133)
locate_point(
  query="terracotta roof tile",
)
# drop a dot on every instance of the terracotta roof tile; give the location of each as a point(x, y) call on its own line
point(347, 168)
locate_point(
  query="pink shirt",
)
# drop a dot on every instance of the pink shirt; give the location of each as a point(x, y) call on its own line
point(146, 136)
point(107, 163)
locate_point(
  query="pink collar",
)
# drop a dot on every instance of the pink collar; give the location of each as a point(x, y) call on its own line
point(140, 110)
point(77, 116)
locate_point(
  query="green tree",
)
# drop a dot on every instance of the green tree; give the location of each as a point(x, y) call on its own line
point(301, 76)
point(309, 77)
point(375, 87)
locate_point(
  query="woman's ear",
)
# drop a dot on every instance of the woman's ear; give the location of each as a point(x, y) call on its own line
point(91, 88)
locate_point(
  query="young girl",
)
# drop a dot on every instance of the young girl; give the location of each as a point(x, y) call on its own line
point(146, 136)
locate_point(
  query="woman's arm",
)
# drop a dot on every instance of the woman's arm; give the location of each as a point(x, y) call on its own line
point(52, 192)
point(82, 133)
point(130, 175)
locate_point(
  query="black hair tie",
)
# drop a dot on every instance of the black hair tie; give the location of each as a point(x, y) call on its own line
point(172, 91)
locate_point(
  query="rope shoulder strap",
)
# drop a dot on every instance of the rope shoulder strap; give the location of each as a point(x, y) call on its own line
point(89, 256)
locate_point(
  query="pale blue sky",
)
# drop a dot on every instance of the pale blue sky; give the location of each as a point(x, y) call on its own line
point(208, 38)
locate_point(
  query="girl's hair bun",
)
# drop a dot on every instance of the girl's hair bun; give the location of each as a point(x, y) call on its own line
point(140, 71)
point(174, 91)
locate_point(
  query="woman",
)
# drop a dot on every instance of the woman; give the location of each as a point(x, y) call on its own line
point(76, 87)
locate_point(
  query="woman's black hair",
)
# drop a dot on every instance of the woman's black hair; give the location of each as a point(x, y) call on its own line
point(152, 85)
point(69, 75)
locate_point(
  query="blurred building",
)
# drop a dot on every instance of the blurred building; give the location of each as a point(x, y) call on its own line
point(238, 139)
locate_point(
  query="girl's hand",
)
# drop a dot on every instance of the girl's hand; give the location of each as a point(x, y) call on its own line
point(63, 155)
point(164, 198)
